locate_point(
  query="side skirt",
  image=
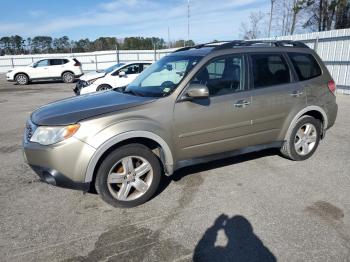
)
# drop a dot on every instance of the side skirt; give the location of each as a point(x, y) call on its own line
point(245, 150)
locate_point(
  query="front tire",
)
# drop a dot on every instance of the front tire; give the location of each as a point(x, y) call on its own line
point(68, 77)
point(128, 176)
point(103, 87)
point(22, 79)
point(303, 140)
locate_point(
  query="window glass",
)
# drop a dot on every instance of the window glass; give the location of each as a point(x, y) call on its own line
point(145, 66)
point(65, 61)
point(222, 76)
point(269, 70)
point(305, 65)
point(162, 77)
point(54, 62)
point(42, 63)
point(131, 69)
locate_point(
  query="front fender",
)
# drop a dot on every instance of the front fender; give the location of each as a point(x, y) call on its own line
point(168, 157)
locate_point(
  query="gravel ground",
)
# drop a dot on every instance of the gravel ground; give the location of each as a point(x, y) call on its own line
point(255, 207)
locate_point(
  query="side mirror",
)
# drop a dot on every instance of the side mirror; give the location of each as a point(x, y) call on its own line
point(197, 91)
point(121, 74)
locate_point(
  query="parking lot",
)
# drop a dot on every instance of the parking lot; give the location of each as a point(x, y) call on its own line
point(255, 207)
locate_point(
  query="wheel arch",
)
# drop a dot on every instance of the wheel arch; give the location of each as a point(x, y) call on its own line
point(23, 73)
point(67, 71)
point(314, 111)
point(151, 140)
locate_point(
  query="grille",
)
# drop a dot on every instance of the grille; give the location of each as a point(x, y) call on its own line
point(30, 128)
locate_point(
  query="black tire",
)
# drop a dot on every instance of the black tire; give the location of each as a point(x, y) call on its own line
point(68, 77)
point(22, 79)
point(103, 87)
point(289, 149)
point(114, 157)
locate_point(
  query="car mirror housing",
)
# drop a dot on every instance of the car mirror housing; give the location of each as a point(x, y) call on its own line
point(197, 91)
point(122, 74)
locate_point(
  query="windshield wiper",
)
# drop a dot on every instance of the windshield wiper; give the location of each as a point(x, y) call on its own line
point(132, 92)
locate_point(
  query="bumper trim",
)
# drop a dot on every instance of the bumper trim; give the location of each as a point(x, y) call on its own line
point(55, 178)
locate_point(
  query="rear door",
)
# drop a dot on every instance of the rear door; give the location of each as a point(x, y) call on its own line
point(275, 94)
point(56, 67)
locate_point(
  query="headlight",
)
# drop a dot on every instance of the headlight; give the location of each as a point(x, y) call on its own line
point(9, 71)
point(48, 135)
point(91, 81)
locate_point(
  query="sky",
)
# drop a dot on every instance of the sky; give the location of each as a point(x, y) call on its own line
point(209, 19)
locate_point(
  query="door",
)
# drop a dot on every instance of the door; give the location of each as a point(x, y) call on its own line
point(56, 67)
point(131, 72)
point(40, 69)
point(275, 94)
point(221, 122)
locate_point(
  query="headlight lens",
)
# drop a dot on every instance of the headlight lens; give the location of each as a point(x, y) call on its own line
point(48, 135)
point(9, 71)
point(91, 81)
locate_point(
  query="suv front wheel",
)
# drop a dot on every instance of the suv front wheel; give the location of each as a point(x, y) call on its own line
point(303, 140)
point(22, 79)
point(128, 176)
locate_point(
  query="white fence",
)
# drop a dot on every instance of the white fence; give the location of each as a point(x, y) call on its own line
point(90, 61)
point(332, 46)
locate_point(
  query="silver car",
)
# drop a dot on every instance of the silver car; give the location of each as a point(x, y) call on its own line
point(195, 105)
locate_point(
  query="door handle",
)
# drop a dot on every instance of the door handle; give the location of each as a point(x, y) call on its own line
point(241, 103)
point(296, 93)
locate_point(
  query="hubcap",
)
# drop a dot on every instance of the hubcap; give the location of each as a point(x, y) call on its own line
point(305, 139)
point(130, 178)
point(22, 79)
point(68, 77)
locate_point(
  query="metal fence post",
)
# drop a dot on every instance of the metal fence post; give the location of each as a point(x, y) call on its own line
point(316, 44)
point(96, 62)
point(155, 53)
point(117, 53)
point(13, 66)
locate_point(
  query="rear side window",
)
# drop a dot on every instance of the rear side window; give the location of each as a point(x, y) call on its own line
point(54, 62)
point(305, 65)
point(269, 70)
point(65, 61)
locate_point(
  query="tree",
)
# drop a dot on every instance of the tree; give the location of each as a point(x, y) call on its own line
point(253, 29)
point(272, 2)
point(61, 45)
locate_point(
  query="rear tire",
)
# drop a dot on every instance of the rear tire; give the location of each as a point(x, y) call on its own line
point(303, 140)
point(103, 87)
point(128, 176)
point(22, 79)
point(68, 77)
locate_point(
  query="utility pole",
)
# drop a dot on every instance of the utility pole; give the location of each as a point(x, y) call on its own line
point(188, 22)
point(271, 13)
point(169, 44)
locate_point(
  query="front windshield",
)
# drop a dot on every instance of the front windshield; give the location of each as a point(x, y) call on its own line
point(113, 67)
point(162, 77)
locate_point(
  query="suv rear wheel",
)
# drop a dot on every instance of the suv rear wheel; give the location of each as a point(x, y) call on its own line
point(22, 79)
point(303, 140)
point(68, 77)
point(129, 176)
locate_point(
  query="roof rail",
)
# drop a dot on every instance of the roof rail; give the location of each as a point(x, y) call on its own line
point(246, 43)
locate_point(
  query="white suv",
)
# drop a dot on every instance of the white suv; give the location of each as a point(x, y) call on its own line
point(118, 75)
point(66, 69)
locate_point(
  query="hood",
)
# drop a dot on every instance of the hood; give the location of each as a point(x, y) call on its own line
point(73, 110)
point(19, 68)
point(92, 75)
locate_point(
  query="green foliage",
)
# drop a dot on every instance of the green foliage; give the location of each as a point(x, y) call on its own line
point(11, 45)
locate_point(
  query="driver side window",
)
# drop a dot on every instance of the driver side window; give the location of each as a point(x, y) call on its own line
point(131, 69)
point(222, 76)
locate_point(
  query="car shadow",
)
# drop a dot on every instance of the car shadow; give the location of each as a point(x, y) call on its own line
point(239, 242)
point(192, 170)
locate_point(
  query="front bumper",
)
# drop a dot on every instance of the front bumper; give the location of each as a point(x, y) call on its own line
point(55, 178)
point(63, 164)
point(9, 78)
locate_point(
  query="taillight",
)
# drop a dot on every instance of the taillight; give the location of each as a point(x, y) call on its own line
point(332, 86)
point(77, 63)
